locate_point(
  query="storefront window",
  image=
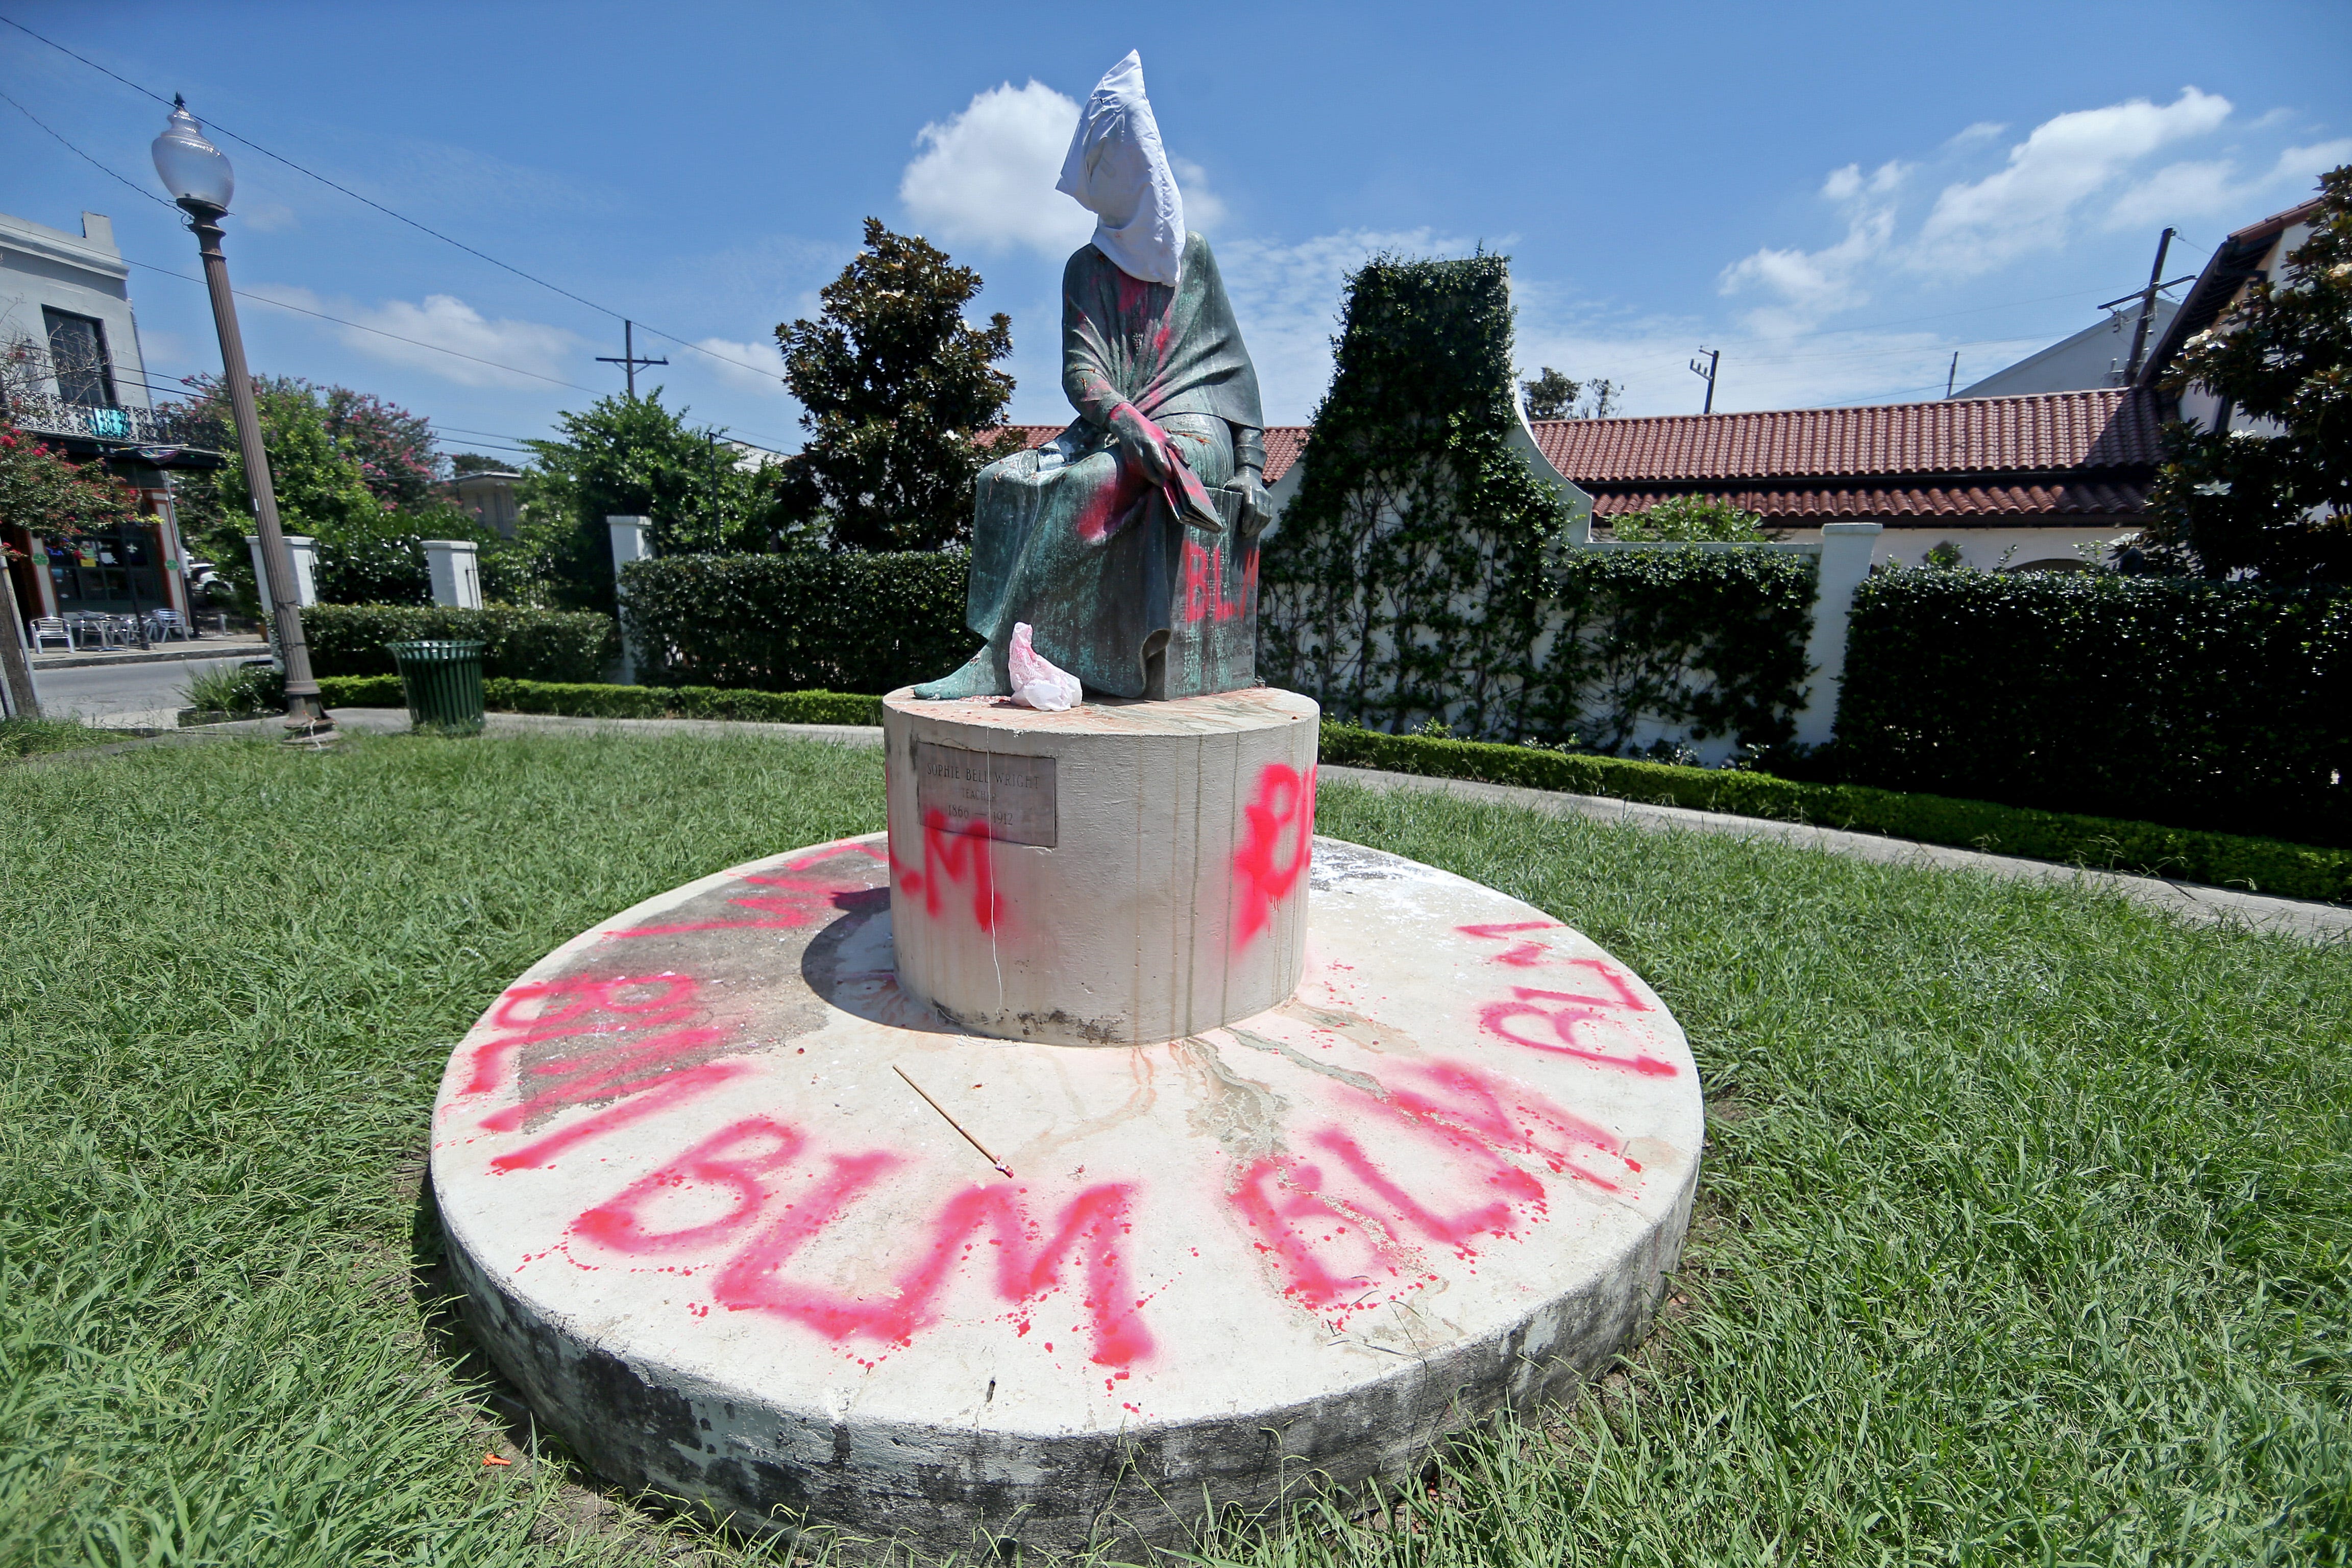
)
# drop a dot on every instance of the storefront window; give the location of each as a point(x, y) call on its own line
point(114, 574)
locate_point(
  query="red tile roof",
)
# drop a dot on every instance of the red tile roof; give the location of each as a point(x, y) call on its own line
point(2061, 454)
point(1898, 505)
point(2048, 433)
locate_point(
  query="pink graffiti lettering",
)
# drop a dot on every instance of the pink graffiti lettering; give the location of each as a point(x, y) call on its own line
point(1092, 1225)
point(523, 1016)
point(731, 1184)
point(734, 1161)
point(1276, 852)
point(1333, 1235)
point(953, 857)
point(1563, 1013)
point(1519, 954)
point(807, 894)
point(672, 1088)
point(636, 1044)
point(1204, 585)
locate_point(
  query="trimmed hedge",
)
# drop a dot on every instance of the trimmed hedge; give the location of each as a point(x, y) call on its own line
point(518, 644)
point(847, 622)
point(2176, 700)
point(2220, 860)
point(590, 700)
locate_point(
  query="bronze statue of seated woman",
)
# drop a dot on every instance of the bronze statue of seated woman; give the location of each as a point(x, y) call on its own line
point(1129, 543)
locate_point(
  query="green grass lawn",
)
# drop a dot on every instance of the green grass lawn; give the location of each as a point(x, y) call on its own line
point(2023, 1233)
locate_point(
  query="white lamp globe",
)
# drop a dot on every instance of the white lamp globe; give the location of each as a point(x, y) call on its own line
point(194, 169)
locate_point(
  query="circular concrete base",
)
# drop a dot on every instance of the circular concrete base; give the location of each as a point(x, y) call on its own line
point(706, 1223)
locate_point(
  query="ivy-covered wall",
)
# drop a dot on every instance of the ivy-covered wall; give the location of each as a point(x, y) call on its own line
point(1675, 642)
point(1375, 598)
point(1423, 570)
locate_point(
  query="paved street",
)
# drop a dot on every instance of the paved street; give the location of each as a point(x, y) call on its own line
point(143, 696)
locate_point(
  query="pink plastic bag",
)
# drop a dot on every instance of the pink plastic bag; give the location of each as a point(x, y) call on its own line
point(1036, 682)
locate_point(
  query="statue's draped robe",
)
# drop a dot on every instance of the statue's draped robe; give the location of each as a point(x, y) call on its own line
point(1071, 537)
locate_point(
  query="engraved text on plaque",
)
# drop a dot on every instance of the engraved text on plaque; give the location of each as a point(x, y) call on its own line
point(1012, 796)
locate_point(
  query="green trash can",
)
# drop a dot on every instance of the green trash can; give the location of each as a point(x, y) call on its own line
point(443, 683)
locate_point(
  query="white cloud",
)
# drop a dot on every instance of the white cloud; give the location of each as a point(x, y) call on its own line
point(754, 367)
point(2071, 168)
point(1203, 210)
point(1809, 285)
point(2063, 162)
point(986, 176)
point(479, 352)
point(2210, 188)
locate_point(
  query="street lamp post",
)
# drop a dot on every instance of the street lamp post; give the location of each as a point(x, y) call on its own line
point(198, 177)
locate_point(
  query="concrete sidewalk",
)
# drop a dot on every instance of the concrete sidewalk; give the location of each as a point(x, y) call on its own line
point(2188, 901)
point(167, 653)
point(2185, 901)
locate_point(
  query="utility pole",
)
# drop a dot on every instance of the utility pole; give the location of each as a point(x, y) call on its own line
point(2146, 307)
point(627, 358)
point(1707, 373)
point(15, 665)
point(1952, 375)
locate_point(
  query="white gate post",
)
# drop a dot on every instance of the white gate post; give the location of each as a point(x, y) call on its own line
point(455, 566)
point(304, 551)
point(631, 542)
point(1846, 550)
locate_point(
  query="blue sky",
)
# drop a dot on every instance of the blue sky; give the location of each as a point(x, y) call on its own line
point(1837, 196)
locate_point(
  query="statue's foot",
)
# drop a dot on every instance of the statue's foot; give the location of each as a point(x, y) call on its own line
point(983, 675)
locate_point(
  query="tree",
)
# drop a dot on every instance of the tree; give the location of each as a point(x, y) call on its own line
point(322, 491)
point(43, 494)
point(393, 447)
point(2276, 502)
point(631, 457)
point(463, 463)
point(356, 473)
point(46, 495)
point(1552, 395)
point(1692, 518)
point(896, 391)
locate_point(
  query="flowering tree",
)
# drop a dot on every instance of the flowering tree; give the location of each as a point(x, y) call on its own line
point(43, 494)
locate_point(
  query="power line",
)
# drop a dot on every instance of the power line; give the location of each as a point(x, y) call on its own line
point(401, 218)
point(379, 331)
point(264, 298)
point(76, 151)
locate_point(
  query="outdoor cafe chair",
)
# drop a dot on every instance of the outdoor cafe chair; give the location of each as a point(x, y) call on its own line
point(91, 628)
point(164, 625)
point(48, 627)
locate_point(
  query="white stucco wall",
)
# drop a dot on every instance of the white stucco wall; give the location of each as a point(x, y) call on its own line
point(83, 274)
point(1986, 549)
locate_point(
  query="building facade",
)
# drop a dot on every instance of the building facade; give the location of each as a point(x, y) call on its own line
point(73, 376)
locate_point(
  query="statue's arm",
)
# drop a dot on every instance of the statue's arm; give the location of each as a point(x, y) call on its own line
point(1249, 478)
point(1085, 358)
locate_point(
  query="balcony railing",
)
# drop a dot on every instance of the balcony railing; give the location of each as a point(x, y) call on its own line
point(45, 413)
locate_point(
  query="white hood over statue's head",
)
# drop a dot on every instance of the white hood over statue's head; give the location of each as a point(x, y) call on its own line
point(1117, 170)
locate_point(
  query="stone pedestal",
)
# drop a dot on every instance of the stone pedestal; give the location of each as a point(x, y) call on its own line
point(706, 1222)
point(1122, 874)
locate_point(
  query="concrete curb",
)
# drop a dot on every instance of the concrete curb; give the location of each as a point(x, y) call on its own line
point(2188, 900)
point(193, 650)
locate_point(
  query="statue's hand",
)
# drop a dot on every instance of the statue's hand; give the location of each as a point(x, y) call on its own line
point(1146, 443)
point(1256, 510)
